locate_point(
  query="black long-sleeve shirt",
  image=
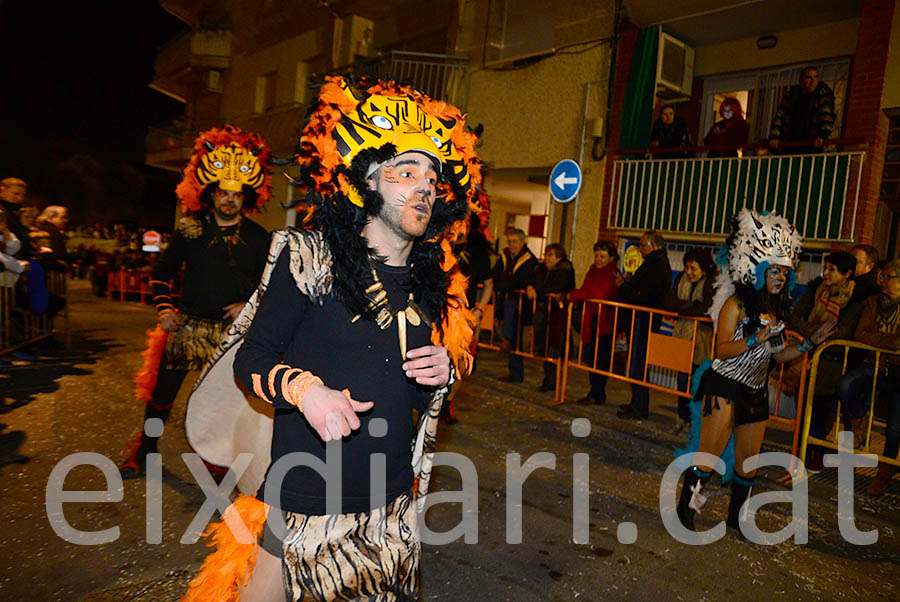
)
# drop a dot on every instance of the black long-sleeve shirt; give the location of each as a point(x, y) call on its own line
point(650, 283)
point(290, 329)
point(213, 277)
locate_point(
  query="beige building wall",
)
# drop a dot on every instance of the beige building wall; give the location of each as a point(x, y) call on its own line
point(794, 46)
point(283, 58)
point(536, 116)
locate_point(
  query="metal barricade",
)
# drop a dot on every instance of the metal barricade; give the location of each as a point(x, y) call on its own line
point(870, 421)
point(525, 329)
point(663, 351)
point(122, 283)
point(19, 326)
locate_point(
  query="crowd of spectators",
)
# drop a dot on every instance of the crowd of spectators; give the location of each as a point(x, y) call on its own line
point(855, 289)
point(34, 242)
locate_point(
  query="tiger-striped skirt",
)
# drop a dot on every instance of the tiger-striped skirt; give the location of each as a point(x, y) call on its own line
point(371, 556)
point(191, 346)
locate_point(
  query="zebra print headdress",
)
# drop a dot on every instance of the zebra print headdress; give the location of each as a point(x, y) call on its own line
point(757, 242)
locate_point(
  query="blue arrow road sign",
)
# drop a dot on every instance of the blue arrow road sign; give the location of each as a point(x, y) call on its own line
point(565, 180)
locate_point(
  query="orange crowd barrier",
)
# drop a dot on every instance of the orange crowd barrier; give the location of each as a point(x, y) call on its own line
point(667, 357)
point(136, 283)
point(877, 356)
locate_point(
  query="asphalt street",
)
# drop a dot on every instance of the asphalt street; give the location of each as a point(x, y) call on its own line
point(81, 400)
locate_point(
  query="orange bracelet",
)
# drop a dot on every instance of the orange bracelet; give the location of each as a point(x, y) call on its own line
point(272, 374)
point(299, 387)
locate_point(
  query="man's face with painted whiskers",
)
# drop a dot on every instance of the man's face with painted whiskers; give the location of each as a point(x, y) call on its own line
point(407, 185)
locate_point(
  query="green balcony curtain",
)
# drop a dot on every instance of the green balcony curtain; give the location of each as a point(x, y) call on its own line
point(638, 110)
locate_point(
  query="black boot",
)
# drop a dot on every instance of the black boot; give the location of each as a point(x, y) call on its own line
point(691, 498)
point(135, 463)
point(740, 491)
point(549, 383)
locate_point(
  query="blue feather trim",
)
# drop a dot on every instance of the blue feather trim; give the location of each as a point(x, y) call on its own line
point(693, 444)
point(760, 275)
point(742, 481)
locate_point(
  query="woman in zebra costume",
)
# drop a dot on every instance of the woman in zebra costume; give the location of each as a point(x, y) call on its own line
point(751, 301)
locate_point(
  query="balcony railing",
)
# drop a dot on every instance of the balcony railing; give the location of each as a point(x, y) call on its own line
point(818, 193)
point(440, 76)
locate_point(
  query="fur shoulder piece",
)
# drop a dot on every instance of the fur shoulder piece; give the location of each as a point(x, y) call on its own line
point(311, 263)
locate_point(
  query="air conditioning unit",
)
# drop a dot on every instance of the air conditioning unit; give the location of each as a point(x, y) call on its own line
point(674, 68)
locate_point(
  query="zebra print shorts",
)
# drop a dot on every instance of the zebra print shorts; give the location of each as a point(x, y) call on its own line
point(370, 556)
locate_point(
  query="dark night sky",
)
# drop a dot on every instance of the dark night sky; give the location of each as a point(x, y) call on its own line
point(74, 80)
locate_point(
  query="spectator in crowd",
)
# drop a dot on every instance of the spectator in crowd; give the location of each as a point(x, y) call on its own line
point(9, 245)
point(553, 279)
point(513, 272)
point(670, 131)
point(879, 326)
point(42, 300)
point(12, 198)
point(54, 220)
point(806, 113)
point(692, 296)
point(731, 130)
point(474, 255)
point(828, 297)
point(646, 288)
point(749, 308)
point(865, 276)
point(601, 282)
point(223, 254)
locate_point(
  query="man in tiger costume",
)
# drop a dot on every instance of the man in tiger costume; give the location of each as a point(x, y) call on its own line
point(223, 254)
point(359, 322)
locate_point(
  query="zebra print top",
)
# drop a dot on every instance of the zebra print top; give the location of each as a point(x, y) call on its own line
point(750, 368)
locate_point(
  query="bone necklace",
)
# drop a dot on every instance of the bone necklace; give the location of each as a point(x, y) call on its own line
point(378, 303)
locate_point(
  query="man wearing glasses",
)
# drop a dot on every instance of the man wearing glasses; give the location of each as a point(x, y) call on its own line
point(879, 326)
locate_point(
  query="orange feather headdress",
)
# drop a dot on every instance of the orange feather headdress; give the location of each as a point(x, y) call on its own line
point(233, 159)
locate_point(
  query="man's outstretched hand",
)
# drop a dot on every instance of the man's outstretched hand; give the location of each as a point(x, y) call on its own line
point(332, 413)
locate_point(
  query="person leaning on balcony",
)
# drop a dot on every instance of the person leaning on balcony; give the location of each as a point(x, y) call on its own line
point(879, 326)
point(553, 279)
point(692, 296)
point(601, 282)
point(513, 272)
point(806, 113)
point(670, 131)
point(731, 130)
point(646, 288)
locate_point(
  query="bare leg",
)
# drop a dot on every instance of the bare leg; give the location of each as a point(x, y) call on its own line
point(748, 440)
point(265, 584)
point(715, 430)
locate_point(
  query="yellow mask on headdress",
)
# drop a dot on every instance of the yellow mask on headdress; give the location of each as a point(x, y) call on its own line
point(379, 119)
point(232, 166)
